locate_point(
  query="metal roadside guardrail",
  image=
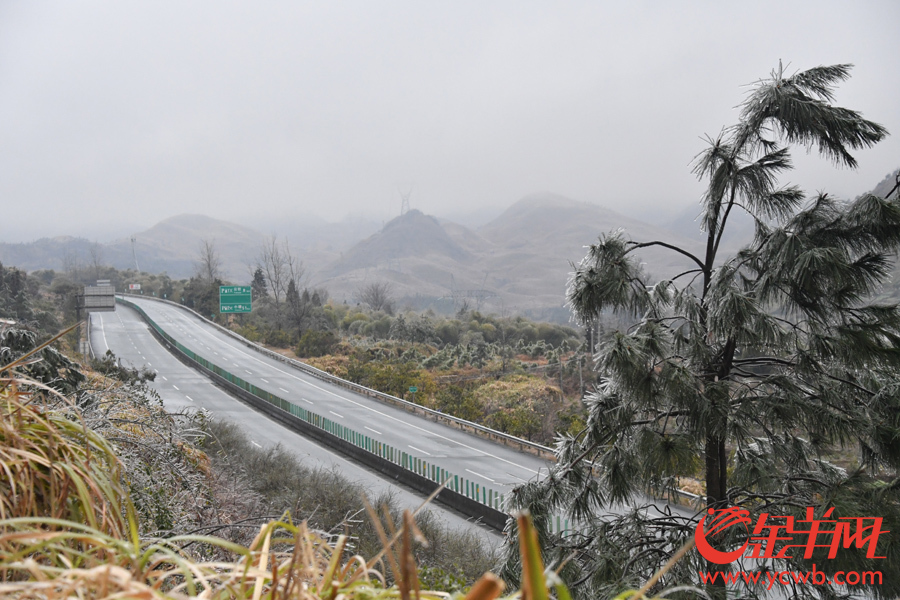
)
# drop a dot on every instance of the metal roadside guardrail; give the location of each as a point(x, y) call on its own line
point(87, 336)
point(480, 430)
point(460, 493)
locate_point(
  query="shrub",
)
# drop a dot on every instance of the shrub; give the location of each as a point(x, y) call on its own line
point(278, 338)
point(316, 343)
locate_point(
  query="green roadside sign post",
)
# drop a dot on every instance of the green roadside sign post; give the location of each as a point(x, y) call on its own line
point(413, 389)
point(235, 299)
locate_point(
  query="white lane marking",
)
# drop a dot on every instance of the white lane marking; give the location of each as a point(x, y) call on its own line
point(265, 380)
point(149, 365)
point(284, 390)
point(247, 372)
point(235, 364)
point(335, 414)
point(307, 401)
point(420, 450)
point(480, 475)
point(363, 406)
point(516, 476)
point(156, 371)
point(164, 377)
point(216, 353)
point(372, 430)
point(255, 444)
point(175, 386)
point(102, 329)
point(188, 397)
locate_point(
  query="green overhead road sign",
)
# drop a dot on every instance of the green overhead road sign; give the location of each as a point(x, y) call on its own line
point(234, 299)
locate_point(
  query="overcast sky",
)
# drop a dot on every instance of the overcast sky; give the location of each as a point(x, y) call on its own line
point(124, 113)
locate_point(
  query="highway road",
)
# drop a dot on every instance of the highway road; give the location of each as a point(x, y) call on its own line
point(498, 467)
point(128, 336)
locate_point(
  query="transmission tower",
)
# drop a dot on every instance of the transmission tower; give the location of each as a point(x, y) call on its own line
point(405, 193)
point(460, 296)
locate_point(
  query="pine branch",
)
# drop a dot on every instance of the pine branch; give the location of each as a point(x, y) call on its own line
point(721, 231)
point(636, 245)
point(688, 272)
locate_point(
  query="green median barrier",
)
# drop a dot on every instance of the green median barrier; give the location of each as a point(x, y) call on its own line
point(435, 473)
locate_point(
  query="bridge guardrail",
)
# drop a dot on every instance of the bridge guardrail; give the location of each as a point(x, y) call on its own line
point(87, 336)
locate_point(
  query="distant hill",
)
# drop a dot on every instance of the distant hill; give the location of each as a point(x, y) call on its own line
point(170, 246)
point(886, 184)
point(538, 237)
point(412, 235)
point(45, 253)
point(517, 262)
point(555, 226)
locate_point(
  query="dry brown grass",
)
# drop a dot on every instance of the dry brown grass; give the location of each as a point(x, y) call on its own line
point(283, 561)
point(53, 466)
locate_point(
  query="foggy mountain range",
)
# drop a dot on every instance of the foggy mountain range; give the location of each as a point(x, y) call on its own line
point(517, 262)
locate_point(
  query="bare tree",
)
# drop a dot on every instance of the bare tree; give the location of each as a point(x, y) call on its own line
point(70, 264)
point(296, 272)
point(209, 264)
point(377, 296)
point(96, 251)
point(280, 266)
point(271, 261)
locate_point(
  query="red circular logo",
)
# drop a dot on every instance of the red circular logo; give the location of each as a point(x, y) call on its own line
point(721, 520)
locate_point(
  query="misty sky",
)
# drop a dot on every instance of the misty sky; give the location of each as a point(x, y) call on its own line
point(120, 114)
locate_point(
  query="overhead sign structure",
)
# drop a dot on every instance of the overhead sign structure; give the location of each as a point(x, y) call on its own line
point(235, 299)
point(100, 298)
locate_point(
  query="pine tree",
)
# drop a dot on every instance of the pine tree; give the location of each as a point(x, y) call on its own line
point(750, 372)
point(258, 286)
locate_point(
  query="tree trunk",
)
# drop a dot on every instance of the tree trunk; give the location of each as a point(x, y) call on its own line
point(716, 497)
point(716, 470)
